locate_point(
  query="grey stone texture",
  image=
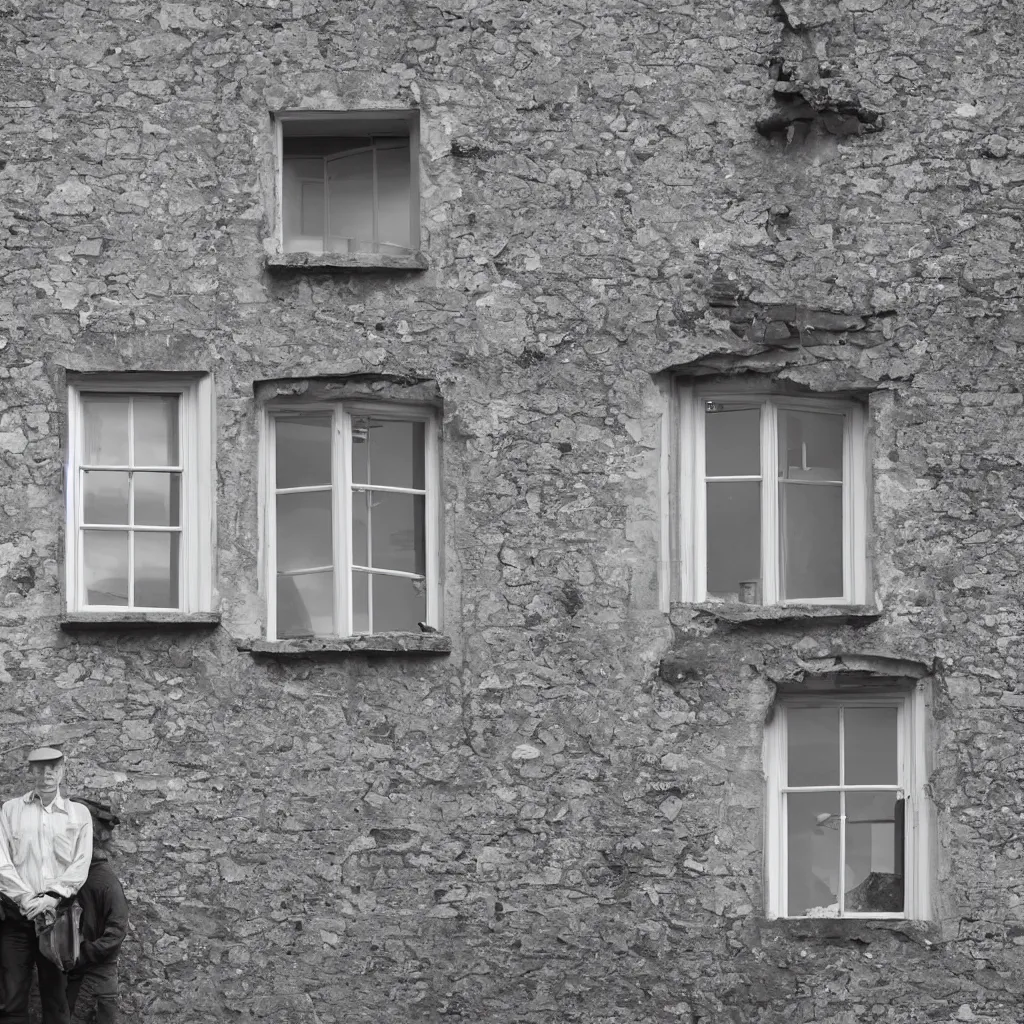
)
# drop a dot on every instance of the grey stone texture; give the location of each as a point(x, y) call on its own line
point(560, 819)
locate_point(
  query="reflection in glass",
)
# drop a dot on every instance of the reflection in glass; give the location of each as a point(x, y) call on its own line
point(105, 420)
point(812, 738)
point(157, 499)
point(810, 445)
point(811, 537)
point(303, 450)
point(733, 536)
point(105, 497)
point(156, 570)
point(305, 605)
point(398, 603)
point(812, 833)
point(304, 536)
point(105, 560)
point(388, 453)
point(869, 740)
point(156, 430)
point(732, 441)
point(350, 202)
point(393, 526)
point(874, 852)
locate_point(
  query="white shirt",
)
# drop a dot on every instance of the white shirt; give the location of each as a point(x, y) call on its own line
point(43, 848)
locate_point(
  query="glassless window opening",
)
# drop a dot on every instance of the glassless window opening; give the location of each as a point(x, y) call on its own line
point(772, 499)
point(845, 808)
point(352, 520)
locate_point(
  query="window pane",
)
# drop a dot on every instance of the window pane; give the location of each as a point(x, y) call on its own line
point(388, 453)
point(156, 570)
point(874, 854)
point(393, 195)
point(303, 450)
point(302, 204)
point(811, 538)
point(157, 499)
point(304, 535)
point(105, 497)
point(813, 746)
point(105, 559)
point(734, 537)
point(360, 602)
point(398, 604)
point(732, 445)
point(106, 429)
point(812, 832)
point(156, 430)
point(350, 202)
point(869, 736)
point(810, 445)
point(305, 605)
point(393, 524)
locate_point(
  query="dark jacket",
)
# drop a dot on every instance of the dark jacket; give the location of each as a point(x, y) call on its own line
point(104, 913)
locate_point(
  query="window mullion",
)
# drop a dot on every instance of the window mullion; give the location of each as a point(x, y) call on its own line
point(693, 502)
point(341, 477)
point(270, 544)
point(842, 810)
point(431, 525)
point(770, 572)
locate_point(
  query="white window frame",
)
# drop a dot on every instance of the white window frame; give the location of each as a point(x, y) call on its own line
point(346, 124)
point(342, 488)
point(912, 775)
point(690, 534)
point(195, 439)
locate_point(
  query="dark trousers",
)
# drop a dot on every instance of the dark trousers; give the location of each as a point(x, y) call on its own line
point(100, 982)
point(19, 954)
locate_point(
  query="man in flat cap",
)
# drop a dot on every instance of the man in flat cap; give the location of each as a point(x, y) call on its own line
point(45, 849)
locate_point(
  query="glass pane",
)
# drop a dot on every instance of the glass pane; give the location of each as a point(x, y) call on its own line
point(812, 832)
point(360, 602)
point(157, 499)
point(106, 429)
point(360, 527)
point(156, 570)
point(388, 453)
point(874, 852)
point(302, 204)
point(811, 537)
point(105, 497)
point(810, 445)
point(350, 202)
point(869, 739)
point(393, 525)
point(303, 450)
point(304, 534)
point(732, 439)
point(812, 746)
point(305, 605)
point(398, 604)
point(156, 430)
point(734, 540)
point(393, 195)
point(105, 560)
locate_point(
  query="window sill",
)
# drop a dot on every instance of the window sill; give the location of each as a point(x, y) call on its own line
point(370, 643)
point(682, 613)
point(74, 621)
point(830, 930)
point(346, 261)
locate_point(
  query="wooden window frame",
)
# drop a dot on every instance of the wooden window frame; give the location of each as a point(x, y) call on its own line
point(911, 705)
point(342, 487)
point(195, 425)
point(689, 534)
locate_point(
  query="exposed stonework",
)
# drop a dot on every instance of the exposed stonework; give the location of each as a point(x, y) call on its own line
point(561, 819)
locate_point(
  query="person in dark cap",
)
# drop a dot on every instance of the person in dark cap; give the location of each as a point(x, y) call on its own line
point(45, 850)
point(104, 923)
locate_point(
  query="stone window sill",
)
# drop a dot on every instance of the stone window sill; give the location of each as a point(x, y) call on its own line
point(682, 614)
point(74, 621)
point(346, 261)
point(829, 930)
point(370, 643)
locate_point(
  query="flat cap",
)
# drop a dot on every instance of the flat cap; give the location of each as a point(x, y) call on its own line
point(45, 754)
point(100, 812)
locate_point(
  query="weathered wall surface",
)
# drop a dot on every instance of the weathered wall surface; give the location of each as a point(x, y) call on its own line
point(562, 819)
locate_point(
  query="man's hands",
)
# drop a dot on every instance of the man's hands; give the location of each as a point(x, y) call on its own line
point(38, 905)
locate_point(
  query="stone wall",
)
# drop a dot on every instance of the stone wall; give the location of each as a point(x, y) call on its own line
point(562, 818)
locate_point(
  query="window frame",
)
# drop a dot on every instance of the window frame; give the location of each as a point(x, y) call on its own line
point(688, 534)
point(344, 124)
point(912, 774)
point(195, 439)
point(341, 411)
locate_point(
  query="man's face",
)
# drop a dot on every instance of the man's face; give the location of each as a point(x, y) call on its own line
point(46, 776)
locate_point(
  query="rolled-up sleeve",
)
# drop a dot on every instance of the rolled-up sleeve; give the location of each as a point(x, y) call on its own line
point(71, 879)
point(12, 885)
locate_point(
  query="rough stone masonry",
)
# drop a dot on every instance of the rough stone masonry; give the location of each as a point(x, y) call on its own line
point(561, 819)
